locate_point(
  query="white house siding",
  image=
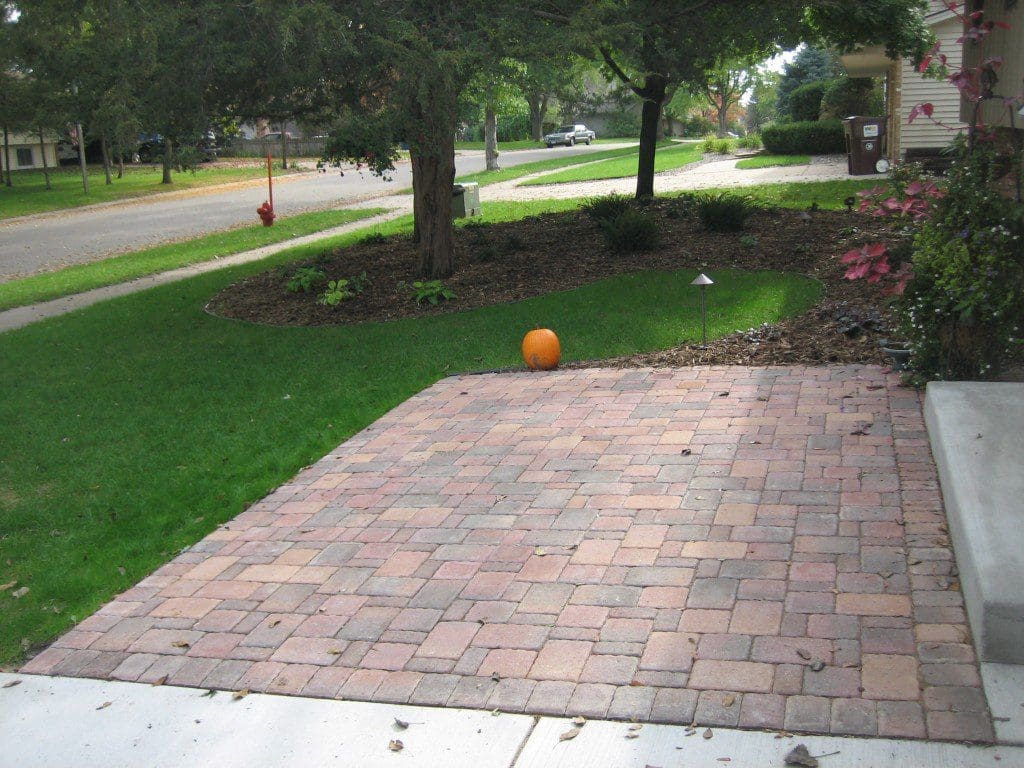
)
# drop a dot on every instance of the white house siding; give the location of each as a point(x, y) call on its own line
point(30, 150)
point(923, 133)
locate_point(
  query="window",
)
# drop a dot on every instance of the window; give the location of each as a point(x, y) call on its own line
point(25, 156)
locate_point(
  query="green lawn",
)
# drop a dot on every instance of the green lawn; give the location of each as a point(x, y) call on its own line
point(510, 146)
point(134, 427)
point(666, 159)
point(770, 161)
point(127, 266)
point(483, 178)
point(30, 195)
point(802, 194)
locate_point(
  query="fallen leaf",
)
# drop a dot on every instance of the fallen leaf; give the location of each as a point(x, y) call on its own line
point(632, 735)
point(685, 452)
point(8, 585)
point(635, 683)
point(799, 755)
point(159, 681)
point(725, 759)
point(495, 677)
point(723, 394)
point(11, 683)
point(763, 398)
point(240, 694)
point(635, 727)
point(569, 735)
point(274, 623)
point(396, 745)
point(803, 654)
point(539, 552)
point(729, 700)
point(104, 705)
point(20, 592)
point(817, 665)
point(335, 651)
point(180, 644)
point(400, 725)
point(708, 733)
point(579, 722)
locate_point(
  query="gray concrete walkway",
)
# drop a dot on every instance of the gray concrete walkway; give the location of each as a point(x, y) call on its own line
point(47, 722)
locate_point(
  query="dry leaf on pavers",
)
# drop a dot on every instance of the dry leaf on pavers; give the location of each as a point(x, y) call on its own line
point(159, 681)
point(274, 623)
point(799, 755)
point(180, 644)
point(729, 700)
point(803, 654)
point(579, 722)
point(396, 745)
point(569, 735)
point(104, 705)
point(400, 725)
point(240, 694)
point(335, 651)
point(539, 552)
point(11, 684)
point(8, 585)
point(685, 452)
point(20, 592)
point(708, 733)
point(495, 677)
point(817, 665)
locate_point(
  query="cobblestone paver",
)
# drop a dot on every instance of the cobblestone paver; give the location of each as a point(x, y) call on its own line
point(727, 546)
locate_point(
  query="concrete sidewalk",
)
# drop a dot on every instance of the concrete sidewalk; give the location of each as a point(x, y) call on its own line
point(47, 722)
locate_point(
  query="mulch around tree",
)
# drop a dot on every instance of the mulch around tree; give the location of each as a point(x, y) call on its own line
point(508, 262)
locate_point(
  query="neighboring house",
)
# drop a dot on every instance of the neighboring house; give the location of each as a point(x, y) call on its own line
point(26, 151)
point(905, 88)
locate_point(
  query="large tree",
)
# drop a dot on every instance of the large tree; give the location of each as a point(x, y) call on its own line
point(651, 45)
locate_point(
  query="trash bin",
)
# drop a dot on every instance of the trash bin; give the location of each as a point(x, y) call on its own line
point(865, 142)
point(466, 200)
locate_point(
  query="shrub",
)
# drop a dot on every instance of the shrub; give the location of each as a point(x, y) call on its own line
point(607, 207)
point(696, 125)
point(821, 137)
point(623, 123)
point(805, 101)
point(750, 141)
point(305, 279)
point(631, 231)
point(724, 211)
point(848, 96)
point(337, 291)
point(431, 291)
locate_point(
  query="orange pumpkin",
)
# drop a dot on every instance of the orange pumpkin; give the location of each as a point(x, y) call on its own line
point(541, 350)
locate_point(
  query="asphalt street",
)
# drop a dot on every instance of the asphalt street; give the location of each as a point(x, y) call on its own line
point(74, 236)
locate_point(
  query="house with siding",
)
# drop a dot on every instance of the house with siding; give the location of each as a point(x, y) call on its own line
point(1008, 44)
point(905, 88)
point(26, 152)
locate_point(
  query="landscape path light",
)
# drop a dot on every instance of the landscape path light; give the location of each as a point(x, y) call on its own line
point(702, 281)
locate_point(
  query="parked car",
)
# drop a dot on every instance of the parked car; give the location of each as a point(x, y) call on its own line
point(569, 135)
point(151, 148)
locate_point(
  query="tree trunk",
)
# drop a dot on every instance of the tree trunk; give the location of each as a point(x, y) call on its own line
point(106, 160)
point(7, 156)
point(433, 173)
point(120, 160)
point(538, 111)
point(46, 166)
point(723, 119)
point(81, 157)
point(284, 150)
point(491, 138)
point(168, 156)
point(654, 99)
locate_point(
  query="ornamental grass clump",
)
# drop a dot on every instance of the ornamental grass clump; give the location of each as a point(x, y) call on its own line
point(724, 211)
point(631, 231)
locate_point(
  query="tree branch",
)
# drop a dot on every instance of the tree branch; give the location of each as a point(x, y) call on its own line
point(606, 54)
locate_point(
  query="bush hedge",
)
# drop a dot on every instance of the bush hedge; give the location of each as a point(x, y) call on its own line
point(821, 137)
point(805, 101)
point(848, 96)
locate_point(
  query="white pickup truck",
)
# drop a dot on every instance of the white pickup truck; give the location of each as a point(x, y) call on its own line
point(569, 135)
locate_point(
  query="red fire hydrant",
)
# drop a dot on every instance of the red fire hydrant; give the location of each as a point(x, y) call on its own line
point(266, 214)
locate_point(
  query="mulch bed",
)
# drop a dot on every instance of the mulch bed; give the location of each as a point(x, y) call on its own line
point(513, 261)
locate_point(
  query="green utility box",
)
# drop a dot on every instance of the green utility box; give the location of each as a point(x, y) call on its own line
point(466, 200)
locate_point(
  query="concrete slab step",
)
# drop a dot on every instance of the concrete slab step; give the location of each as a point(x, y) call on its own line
point(976, 432)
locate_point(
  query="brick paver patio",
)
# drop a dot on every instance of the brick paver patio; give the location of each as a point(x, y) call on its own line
point(727, 546)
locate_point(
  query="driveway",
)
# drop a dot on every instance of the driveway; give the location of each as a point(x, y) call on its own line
point(728, 546)
point(72, 237)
